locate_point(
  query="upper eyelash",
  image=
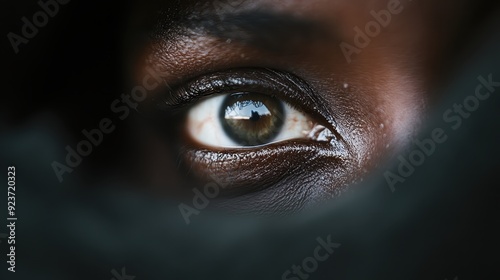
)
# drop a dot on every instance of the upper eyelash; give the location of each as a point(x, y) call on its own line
point(291, 89)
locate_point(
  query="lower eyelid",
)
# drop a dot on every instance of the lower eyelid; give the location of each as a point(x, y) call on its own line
point(249, 168)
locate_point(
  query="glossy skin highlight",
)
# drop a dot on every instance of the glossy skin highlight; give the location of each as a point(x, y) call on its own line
point(372, 105)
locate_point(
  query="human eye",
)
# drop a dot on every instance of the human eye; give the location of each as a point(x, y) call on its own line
point(258, 130)
point(275, 116)
point(249, 118)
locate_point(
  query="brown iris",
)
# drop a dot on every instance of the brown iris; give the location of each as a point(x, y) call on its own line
point(251, 119)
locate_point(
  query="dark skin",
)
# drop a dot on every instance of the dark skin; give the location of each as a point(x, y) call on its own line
point(373, 105)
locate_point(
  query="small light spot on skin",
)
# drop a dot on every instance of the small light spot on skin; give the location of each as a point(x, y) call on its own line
point(228, 41)
point(242, 55)
point(387, 146)
point(382, 125)
point(346, 85)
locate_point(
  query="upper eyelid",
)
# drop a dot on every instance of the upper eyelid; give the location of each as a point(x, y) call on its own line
point(249, 79)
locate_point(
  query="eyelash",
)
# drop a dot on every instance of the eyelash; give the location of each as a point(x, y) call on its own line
point(238, 165)
point(281, 85)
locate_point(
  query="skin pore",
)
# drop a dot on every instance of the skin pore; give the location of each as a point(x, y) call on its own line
point(372, 102)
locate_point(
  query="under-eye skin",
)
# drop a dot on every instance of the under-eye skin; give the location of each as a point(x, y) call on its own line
point(251, 127)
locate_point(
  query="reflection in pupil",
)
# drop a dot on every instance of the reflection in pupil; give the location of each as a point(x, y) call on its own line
point(251, 119)
point(255, 116)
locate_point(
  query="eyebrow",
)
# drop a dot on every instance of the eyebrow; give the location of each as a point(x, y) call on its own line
point(266, 30)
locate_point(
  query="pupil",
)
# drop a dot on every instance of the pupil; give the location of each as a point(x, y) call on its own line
point(251, 119)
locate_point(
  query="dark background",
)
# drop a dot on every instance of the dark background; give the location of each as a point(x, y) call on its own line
point(441, 223)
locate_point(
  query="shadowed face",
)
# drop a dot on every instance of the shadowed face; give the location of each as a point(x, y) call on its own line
point(271, 106)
